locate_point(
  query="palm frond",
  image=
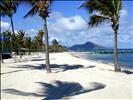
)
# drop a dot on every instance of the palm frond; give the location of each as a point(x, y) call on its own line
point(41, 7)
point(32, 12)
point(8, 7)
point(87, 7)
point(41, 33)
point(101, 6)
point(2, 10)
point(118, 6)
point(95, 20)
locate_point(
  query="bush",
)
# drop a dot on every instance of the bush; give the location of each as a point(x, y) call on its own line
point(57, 48)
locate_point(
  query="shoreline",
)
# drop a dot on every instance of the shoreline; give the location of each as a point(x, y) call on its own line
point(77, 54)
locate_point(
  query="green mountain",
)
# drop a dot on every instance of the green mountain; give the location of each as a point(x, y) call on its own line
point(86, 46)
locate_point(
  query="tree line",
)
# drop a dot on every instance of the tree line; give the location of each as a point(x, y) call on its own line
point(22, 43)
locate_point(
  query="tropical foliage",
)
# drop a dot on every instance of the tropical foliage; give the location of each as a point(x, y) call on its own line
point(28, 44)
point(8, 8)
point(40, 36)
point(56, 47)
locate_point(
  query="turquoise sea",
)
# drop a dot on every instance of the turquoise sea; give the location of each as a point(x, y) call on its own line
point(124, 59)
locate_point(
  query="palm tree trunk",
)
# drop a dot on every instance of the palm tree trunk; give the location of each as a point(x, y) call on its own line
point(29, 50)
point(117, 67)
point(1, 51)
point(1, 58)
point(11, 35)
point(20, 53)
point(12, 25)
point(46, 47)
point(42, 45)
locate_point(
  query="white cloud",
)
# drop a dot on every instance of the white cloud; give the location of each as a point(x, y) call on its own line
point(55, 15)
point(31, 32)
point(123, 12)
point(74, 30)
point(4, 25)
point(72, 23)
point(124, 38)
point(64, 24)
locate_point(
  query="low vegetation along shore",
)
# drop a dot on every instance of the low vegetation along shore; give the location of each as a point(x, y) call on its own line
point(71, 78)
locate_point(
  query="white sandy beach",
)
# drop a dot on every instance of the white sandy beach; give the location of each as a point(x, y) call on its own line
point(71, 78)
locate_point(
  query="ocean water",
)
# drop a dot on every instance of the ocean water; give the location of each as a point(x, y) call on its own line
point(125, 60)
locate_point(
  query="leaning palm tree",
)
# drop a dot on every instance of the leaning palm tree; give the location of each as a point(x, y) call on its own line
point(109, 10)
point(8, 8)
point(42, 7)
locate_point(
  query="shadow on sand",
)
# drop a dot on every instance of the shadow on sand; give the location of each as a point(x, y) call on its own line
point(123, 71)
point(40, 59)
point(62, 67)
point(127, 72)
point(58, 90)
point(11, 72)
point(37, 59)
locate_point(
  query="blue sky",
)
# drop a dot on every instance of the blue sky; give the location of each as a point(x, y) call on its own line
point(68, 25)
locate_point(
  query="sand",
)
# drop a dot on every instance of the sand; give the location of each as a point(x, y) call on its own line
point(71, 78)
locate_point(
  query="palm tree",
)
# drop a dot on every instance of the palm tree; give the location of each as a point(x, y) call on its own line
point(20, 38)
point(40, 35)
point(28, 43)
point(42, 8)
point(8, 8)
point(55, 42)
point(109, 10)
point(14, 43)
point(37, 43)
point(1, 49)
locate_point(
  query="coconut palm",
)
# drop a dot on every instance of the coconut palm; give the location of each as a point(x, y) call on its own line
point(55, 42)
point(36, 44)
point(56, 47)
point(42, 7)
point(28, 43)
point(40, 35)
point(8, 8)
point(109, 10)
point(1, 49)
point(20, 40)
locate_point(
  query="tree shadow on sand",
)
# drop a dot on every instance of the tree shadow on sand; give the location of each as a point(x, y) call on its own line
point(11, 72)
point(127, 71)
point(62, 67)
point(123, 71)
point(58, 90)
point(40, 59)
point(37, 59)
point(21, 93)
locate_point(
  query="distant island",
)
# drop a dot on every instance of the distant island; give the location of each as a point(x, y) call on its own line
point(86, 46)
point(91, 47)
